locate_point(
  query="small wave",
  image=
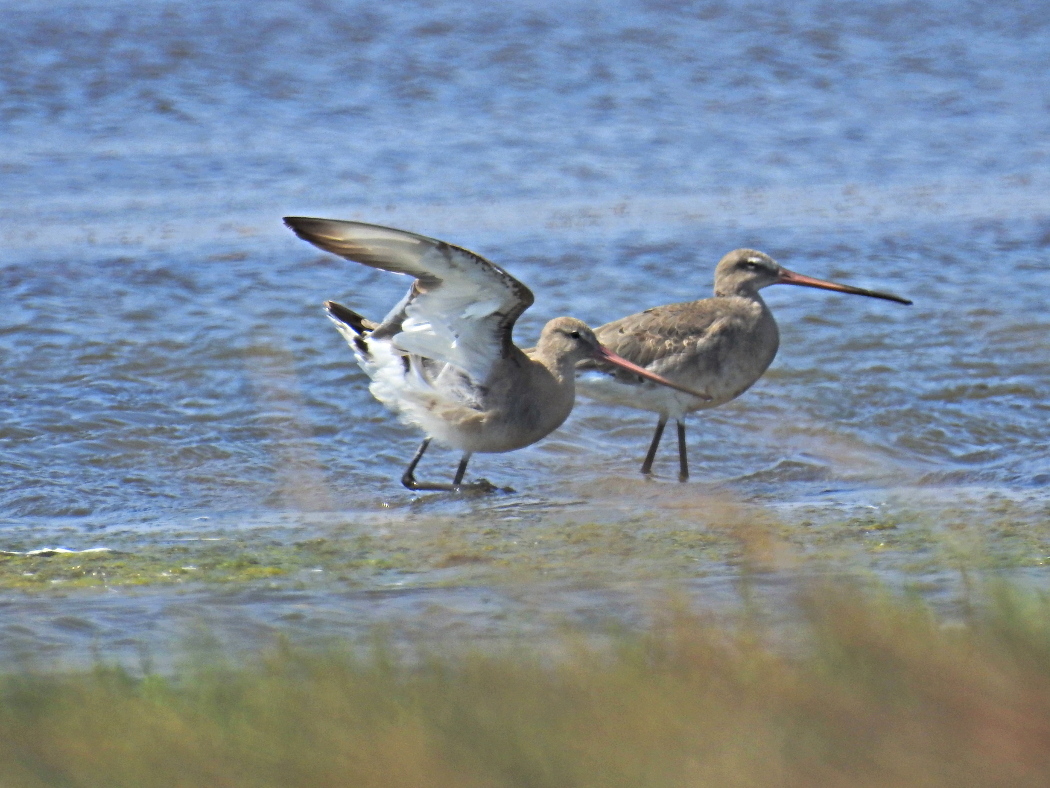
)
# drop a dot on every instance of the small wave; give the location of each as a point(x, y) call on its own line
point(790, 471)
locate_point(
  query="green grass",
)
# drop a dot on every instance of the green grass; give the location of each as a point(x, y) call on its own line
point(864, 689)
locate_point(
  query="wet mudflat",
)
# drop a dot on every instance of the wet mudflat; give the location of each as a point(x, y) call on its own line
point(496, 569)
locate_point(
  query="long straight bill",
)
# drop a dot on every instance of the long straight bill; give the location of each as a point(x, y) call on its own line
point(791, 278)
point(604, 354)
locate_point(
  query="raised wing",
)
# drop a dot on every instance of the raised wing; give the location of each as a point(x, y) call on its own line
point(460, 310)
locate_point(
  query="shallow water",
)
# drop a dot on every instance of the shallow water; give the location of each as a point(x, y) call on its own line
point(164, 356)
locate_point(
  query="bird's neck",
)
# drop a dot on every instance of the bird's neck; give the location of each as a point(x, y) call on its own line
point(562, 369)
point(739, 291)
point(558, 370)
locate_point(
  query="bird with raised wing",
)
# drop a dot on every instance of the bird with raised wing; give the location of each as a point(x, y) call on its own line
point(444, 359)
point(719, 346)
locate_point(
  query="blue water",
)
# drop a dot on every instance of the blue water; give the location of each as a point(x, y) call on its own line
point(163, 354)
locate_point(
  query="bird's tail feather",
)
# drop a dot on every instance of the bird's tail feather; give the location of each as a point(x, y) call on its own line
point(351, 325)
point(349, 317)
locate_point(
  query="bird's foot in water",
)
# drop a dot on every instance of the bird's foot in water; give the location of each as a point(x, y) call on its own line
point(479, 487)
point(482, 486)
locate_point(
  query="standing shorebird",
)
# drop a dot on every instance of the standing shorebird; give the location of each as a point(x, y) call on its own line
point(444, 359)
point(719, 345)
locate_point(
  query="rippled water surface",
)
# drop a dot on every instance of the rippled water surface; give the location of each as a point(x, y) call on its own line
point(164, 357)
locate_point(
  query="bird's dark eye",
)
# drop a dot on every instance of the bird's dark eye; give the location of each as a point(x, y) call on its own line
point(751, 265)
point(575, 334)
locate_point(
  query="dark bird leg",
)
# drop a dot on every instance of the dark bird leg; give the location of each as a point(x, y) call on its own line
point(409, 477)
point(481, 485)
point(461, 470)
point(647, 464)
point(683, 456)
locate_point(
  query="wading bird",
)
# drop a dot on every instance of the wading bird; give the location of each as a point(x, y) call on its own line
point(444, 358)
point(719, 346)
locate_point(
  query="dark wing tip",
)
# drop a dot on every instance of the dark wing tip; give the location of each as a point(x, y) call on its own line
point(301, 225)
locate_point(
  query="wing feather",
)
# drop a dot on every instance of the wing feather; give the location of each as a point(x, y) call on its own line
point(460, 310)
point(661, 336)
